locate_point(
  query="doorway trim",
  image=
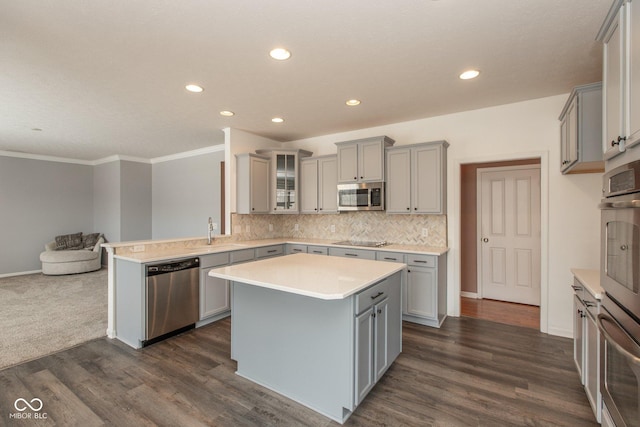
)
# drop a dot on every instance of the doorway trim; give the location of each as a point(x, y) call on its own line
point(454, 229)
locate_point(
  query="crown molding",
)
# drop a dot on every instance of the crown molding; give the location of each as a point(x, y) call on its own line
point(192, 153)
point(116, 157)
point(45, 158)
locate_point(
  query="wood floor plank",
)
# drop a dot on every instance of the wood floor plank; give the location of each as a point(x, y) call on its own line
point(470, 372)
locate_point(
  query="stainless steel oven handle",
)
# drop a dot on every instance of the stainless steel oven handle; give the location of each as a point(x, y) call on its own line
point(620, 205)
point(628, 348)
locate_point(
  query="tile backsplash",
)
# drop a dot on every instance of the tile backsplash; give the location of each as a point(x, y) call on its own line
point(374, 226)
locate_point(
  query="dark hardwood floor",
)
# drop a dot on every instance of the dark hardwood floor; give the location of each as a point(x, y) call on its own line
point(468, 373)
point(509, 313)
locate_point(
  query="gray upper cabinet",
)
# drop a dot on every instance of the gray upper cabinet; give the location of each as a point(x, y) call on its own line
point(252, 183)
point(318, 185)
point(581, 131)
point(416, 178)
point(362, 160)
point(284, 179)
point(620, 34)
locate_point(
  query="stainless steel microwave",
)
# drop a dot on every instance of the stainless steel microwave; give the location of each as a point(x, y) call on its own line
point(364, 196)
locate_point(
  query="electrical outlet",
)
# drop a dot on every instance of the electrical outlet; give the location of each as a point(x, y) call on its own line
point(247, 228)
point(296, 227)
point(138, 248)
point(333, 228)
point(270, 227)
point(425, 232)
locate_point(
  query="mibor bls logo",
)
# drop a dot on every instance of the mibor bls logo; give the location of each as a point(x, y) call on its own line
point(22, 405)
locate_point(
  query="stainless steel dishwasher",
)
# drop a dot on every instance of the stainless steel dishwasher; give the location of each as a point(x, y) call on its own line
point(172, 298)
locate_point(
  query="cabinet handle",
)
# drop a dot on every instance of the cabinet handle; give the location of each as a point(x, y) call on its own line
point(253, 209)
point(620, 139)
point(351, 254)
point(272, 251)
point(317, 252)
point(576, 288)
point(355, 177)
point(419, 261)
point(390, 259)
point(408, 209)
point(377, 295)
point(320, 209)
point(415, 209)
point(379, 311)
point(485, 240)
point(589, 304)
point(360, 177)
point(373, 314)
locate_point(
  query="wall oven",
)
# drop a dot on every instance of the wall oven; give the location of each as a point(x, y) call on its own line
point(365, 196)
point(619, 321)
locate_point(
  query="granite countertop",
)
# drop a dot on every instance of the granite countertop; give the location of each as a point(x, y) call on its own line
point(163, 250)
point(314, 276)
point(590, 279)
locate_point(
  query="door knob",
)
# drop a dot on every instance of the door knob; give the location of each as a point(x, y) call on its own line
point(485, 240)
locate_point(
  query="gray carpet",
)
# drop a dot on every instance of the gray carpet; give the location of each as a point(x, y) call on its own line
point(40, 314)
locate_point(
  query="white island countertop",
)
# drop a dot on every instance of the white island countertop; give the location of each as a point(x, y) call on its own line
point(310, 275)
point(590, 279)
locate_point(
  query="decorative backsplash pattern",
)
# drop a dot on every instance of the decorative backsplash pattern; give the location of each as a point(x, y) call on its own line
point(373, 226)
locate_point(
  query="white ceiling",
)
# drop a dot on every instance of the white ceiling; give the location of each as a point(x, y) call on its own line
point(105, 77)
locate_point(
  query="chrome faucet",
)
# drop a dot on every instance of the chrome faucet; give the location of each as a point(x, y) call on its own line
point(209, 238)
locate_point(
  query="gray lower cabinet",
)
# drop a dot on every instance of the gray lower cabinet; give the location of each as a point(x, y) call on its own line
point(318, 250)
point(372, 347)
point(424, 287)
point(336, 350)
point(425, 293)
point(215, 302)
point(586, 344)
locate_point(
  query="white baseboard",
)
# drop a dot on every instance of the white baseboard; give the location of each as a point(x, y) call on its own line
point(20, 273)
point(560, 332)
point(469, 295)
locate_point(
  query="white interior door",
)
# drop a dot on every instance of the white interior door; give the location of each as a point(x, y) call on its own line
point(509, 231)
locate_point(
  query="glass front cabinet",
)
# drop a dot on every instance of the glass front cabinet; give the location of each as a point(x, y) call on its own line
point(285, 181)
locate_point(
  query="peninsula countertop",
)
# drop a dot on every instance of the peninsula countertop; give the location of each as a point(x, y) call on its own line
point(161, 250)
point(310, 275)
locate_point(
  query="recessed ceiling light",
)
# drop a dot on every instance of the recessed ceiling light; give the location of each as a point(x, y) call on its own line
point(227, 113)
point(194, 88)
point(353, 102)
point(277, 120)
point(280, 54)
point(469, 74)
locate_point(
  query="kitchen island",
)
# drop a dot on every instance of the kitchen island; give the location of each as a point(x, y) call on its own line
point(318, 330)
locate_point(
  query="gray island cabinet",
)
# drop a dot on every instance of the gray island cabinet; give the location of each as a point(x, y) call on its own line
point(318, 330)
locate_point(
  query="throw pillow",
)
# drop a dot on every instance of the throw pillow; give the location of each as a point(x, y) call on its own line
point(90, 240)
point(69, 241)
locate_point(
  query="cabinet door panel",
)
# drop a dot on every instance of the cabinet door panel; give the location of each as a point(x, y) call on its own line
point(381, 353)
point(572, 133)
point(328, 185)
point(259, 185)
point(633, 67)
point(398, 189)
point(612, 92)
point(427, 173)
point(370, 161)
point(364, 354)
point(591, 365)
point(421, 292)
point(214, 295)
point(309, 186)
point(578, 317)
point(348, 163)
